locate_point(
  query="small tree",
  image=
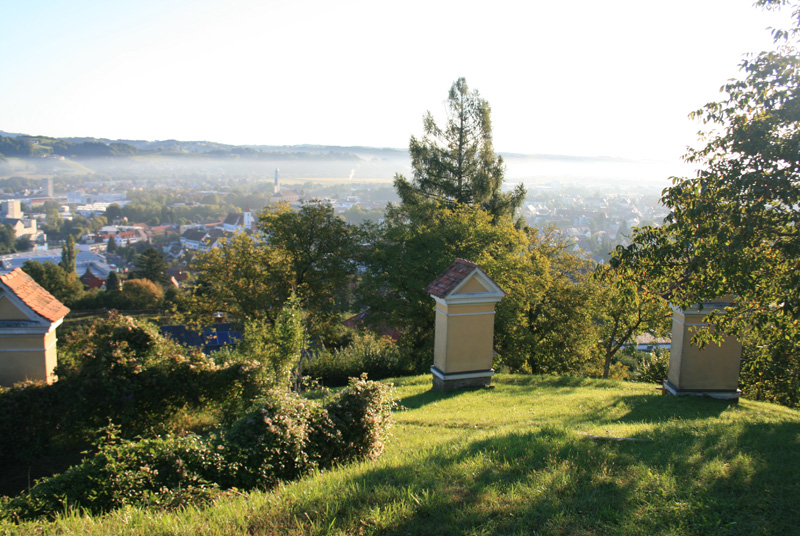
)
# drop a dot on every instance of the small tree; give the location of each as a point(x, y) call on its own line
point(457, 164)
point(276, 347)
point(68, 255)
point(112, 282)
point(151, 265)
point(65, 286)
point(140, 294)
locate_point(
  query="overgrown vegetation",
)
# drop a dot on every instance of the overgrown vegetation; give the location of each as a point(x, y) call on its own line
point(281, 437)
point(536, 454)
point(130, 402)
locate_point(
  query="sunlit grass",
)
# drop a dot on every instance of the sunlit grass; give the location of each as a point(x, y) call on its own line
point(524, 458)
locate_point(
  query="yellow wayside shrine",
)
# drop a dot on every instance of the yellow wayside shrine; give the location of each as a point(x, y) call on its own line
point(710, 371)
point(29, 316)
point(463, 350)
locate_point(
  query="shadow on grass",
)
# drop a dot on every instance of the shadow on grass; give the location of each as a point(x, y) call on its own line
point(723, 477)
point(522, 380)
point(429, 397)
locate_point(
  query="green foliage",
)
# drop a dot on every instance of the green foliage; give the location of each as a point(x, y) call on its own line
point(545, 324)
point(281, 437)
point(378, 357)
point(418, 242)
point(457, 164)
point(164, 472)
point(536, 454)
point(139, 294)
point(68, 255)
point(15, 147)
point(122, 370)
point(33, 420)
point(362, 412)
point(270, 442)
point(321, 251)
point(652, 366)
point(151, 265)
point(626, 310)
point(242, 278)
point(112, 282)
point(7, 238)
point(275, 347)
point(732, 230)
point(65, 286)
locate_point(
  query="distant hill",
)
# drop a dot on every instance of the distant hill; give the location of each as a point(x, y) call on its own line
point(177, 158)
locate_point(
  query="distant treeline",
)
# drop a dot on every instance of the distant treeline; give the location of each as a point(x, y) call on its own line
point(29, 146)
point(24, 146)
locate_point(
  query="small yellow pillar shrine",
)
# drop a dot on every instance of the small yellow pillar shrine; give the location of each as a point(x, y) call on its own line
point(464, 343)
point(29, 316)
point(711, 371)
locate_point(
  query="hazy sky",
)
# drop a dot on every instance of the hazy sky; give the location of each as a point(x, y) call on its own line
point(580, 77)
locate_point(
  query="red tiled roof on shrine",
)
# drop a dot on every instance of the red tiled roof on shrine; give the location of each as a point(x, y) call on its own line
point(34, 296)
point(450, 278)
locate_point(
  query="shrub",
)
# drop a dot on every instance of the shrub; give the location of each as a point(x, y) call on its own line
point(362, 412)
point(277, 346)
point(379, 357)
point(270, 442)
point(653, 366)
point(165, 472)
point(281, 437)
point(140, 294)
point(33, 420)
point(121, 370)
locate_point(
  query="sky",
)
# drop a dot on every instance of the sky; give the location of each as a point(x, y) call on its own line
point(588, 78)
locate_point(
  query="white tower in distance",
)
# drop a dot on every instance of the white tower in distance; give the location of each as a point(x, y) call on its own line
point(277, 187)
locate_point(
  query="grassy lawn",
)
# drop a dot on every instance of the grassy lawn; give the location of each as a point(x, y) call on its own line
point(525, 458)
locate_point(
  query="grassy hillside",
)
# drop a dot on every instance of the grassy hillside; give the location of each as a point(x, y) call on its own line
point(532, 455)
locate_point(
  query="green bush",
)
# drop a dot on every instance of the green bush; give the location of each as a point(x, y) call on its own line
point(164, 472)
point(33, 421)
point(362, 413)
point(379, 357)
point(119, 370)
point(653, 366)
point(270, 442)
point(281, 437)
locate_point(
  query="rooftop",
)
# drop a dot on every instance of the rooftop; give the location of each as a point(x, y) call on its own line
point(451, 277)
point(34, 296)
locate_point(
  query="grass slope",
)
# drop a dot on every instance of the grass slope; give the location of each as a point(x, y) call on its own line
point(520, 459)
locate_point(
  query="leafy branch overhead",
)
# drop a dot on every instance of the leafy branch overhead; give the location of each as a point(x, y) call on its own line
point(732, 229)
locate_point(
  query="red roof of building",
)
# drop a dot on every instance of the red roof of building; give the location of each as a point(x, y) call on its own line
point(450, 278)
point(34, 296)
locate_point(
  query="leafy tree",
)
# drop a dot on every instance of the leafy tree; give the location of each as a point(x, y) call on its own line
point(68, 255)
point(112, 245)
point(112, 282)
point(457, 164)
point(321, 251)
point(113, 212)
point(15, 147)
point(151, 265)
point(23, 243)
point(140, 294)
point(624, 311)
point(7, 238)
point(64, 286)
point(276, 346)
point(242, 277)
point(733, 229)
point(547, 326)
point(417, 243)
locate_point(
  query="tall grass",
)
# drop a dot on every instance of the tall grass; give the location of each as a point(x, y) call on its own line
point(534, 455)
